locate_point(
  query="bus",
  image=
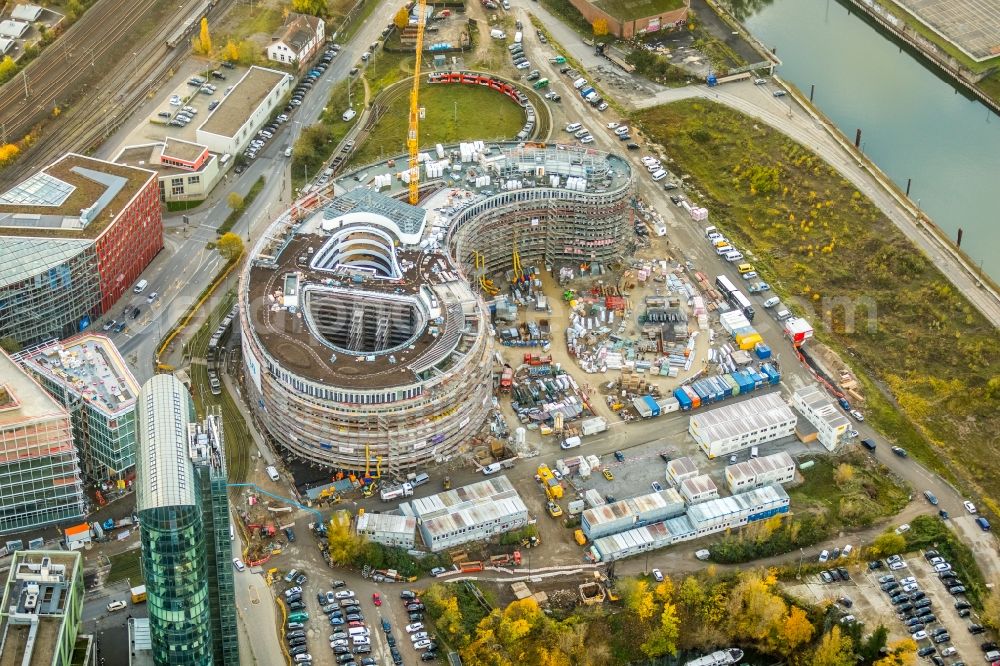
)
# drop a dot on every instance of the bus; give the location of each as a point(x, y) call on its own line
point(742, 302)
point(725, 286)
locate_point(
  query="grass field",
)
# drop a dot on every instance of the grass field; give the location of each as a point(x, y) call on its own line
point(868, 292)
point(126, 565)
point(453, 113)
point(636, 9)
point(867, 496)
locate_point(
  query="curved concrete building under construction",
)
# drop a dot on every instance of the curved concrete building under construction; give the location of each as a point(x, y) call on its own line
point(364, 332)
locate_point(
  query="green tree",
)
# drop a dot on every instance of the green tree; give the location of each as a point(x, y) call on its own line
point(663, 639)
point(10, 345)
point(314, 7)
point(888, 543)
point(871, 648)
point(230, 246)
point(235, 200)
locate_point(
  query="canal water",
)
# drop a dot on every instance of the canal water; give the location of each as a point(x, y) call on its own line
point(914, 124)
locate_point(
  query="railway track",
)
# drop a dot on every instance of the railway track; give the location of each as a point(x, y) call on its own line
point(107, 94)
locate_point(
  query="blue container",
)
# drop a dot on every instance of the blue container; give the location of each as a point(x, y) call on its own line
point(702, 393)
point(682, 399)
point(773, 376)
point(762, 350)
point(648, 399)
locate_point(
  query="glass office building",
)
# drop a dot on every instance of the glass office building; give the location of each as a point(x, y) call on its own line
point(183, 509)
point(89, 377)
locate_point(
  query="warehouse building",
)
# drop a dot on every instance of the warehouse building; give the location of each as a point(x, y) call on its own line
point(739, 426)
point(699, 488)
point(709, 517)
point(248, 107)
point(679, 469)
point(470, 513)
point(89, 377)
point(756, 472)
point(819, 410)
point(41, 611)
point(629, 513)
point(74, 237)
point(388, 529)
point(40, 482)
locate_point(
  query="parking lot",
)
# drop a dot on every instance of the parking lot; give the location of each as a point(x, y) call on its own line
point(909, 599)
point(318, 631)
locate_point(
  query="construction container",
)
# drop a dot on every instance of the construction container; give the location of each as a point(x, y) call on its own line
point(576, 507)
point(682, 399)
point(773, 376)
point(593, 426)
point(762, 350)
point(695, 398)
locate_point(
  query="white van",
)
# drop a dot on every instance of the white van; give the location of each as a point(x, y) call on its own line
point(349, 114)
point(660, 175)
point(782, 315)
point(661, 230)
point(847, 551)
point(571, 442)
point(116, 605)
point(498, 34)
point(754, 452)
point(140, 286)
point(735, 255)
point(492, 469)
point(272, 473)
point(579, 83)
point(723, 249)
point(771, 302)
point(573, 127)
point(518, 37)
point(358, 631)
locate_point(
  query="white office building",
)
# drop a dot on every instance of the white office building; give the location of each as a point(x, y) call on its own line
point(679, 469)
point(470, 513)
point(756, 472)
point(388, 529)
point(247, 108)
point(820, 411)
point(629, 513)
point(739, 426)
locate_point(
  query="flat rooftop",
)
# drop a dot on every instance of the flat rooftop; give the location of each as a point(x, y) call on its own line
point(751, 469)
point(183, 150)
point(89, 367)
point(37, 593)
point(21, 397)
point(74, 197)
point(147, 155)
point(971, 25)
point(242, 100)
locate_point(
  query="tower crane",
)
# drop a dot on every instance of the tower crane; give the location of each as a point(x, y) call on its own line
point(412, 140)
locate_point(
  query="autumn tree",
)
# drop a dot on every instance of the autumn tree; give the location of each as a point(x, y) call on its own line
point(203, 42)
point(402, 18)
point(231, 51)
point(638, 598)
point(230, 246)
point(10, 345)
point(8, 153)
point(754, 609)
point(515, 635)
point(7, 68)
point(600, 27)
point(901, 653)
point(235, 200)
point(314, 7)
point(888, 543)
point(833, 650)
point(843, 475)
point(794, 631)
point(343, 543)
point(443, 605)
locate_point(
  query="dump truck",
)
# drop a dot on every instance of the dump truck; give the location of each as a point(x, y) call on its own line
point(506, 558)
point(395, 492)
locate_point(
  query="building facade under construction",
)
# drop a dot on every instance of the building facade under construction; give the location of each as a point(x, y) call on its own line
point(366, 339)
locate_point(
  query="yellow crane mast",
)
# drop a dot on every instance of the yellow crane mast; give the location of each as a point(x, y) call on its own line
point(412, 141)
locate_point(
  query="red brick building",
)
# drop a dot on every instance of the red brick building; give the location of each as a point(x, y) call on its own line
point(74, 237)
point(628, 27)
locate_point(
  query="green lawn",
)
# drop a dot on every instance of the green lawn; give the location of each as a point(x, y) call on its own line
point(869, 495)
point(869, 293)
point(636, 9)
point(453, 113)
point(126, 565)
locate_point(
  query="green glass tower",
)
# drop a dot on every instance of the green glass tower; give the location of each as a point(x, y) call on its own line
point(184, 517)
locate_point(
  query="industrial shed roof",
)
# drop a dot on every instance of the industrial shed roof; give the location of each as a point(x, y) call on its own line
point(475, 504)
point(754, 467)
point(665, 500)
point(742, 417)
point(821, 406)
point(698, 485)
point(681, 467)
point(726, 506)
point(387, 523)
